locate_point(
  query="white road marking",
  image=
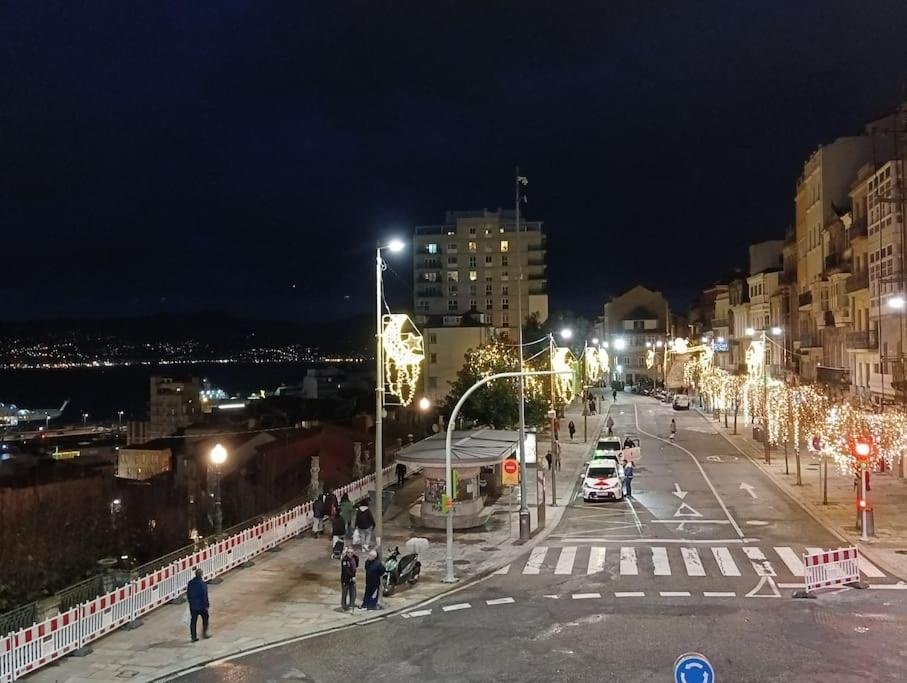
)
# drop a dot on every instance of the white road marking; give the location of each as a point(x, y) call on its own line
point(628, 562)
point(792, 560)
point(689, 521)
point(458, 606)
point(536, 558)
point(719, 594)
point(680, 493)
point(502, 570)
point(760, 563)
point(692, 562)
point(900, 586)
point(685, 510)
point(660, 561)
point(566, 559)
point(417, 613)
point(764, 581)
point(791, 585)
point(585, 596)
point(749, 488)
point(675, 594)
point(635, 516)
point(708, 481)
point(499, 601)
point(601, 539)
point(725, 562)
point(630, 594)
point(596, 560)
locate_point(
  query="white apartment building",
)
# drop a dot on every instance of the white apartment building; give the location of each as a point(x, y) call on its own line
point(472, 263)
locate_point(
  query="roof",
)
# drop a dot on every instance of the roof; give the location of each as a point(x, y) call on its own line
point(469, 449)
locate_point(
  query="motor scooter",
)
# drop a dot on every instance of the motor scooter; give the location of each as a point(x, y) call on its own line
point(399, 570)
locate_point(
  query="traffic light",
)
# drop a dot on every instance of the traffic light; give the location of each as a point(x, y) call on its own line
point(862, 448)
point(861, 503)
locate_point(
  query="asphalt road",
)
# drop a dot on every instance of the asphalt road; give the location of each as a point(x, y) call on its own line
point(694, 562)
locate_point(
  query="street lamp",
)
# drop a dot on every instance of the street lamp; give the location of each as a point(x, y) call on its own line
point(395, 246)
point(897, 302)
point(595, 341)
point(218, 457)
point(120, 420)
point(566, 333)
point(424, 403)
point(84, 419)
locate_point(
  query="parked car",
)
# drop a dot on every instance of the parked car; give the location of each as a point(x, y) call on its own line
point(602, 481)
point(607, 444)
point(681, 402)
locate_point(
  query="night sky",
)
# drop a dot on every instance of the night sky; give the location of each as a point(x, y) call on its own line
point(174, 156)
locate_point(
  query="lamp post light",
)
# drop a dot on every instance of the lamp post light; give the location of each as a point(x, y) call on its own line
point(84, 419)
point(218, 457)
point(119, 420)
point(395, 246)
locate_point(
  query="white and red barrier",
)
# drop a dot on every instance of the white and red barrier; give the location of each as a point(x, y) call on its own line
point(30, 648)
point(831, 568)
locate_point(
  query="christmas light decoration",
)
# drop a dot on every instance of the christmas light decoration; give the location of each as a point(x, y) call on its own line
point(403, 356)
point(562, 361)
point(650, 359)
point(755, 358)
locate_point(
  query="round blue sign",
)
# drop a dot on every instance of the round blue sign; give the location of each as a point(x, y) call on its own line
point(693, 668)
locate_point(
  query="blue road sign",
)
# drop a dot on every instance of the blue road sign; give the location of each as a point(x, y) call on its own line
point(693, 668)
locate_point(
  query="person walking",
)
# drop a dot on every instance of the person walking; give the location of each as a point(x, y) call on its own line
point(400, 469)
point(572, 429)
point(549, 459)
point(347, 512)
point(673, 429)
point(338, 531)
point(614, 395)
point(374, 570)
point(348, 566)
point(318, 514)
point(610, 425)
point(197, 595)
point(628, 478)
point(365, 523)
point(330, 503)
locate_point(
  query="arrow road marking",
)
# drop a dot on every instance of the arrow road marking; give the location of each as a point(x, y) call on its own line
point(749, 488)
point(713, 458)
point(678, 491)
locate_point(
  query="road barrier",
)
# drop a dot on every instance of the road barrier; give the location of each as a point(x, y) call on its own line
point(29, 648)
point(831, 568)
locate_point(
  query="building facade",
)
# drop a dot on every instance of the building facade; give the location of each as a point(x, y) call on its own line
point(445, 351)
point(472, 264)
point(636, 322)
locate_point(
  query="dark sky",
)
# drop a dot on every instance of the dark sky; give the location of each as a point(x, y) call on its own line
point(210, 155)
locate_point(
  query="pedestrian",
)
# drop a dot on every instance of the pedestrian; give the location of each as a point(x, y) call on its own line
point(557, 455)
point(374, 570)
point(673, 429)
point(400, 469)
point(572, 429)
point(348, 566)
point(610, 425)
point(197, 595)
point(318, 514)
point(338, 531)
point(549, 459)
point(347, 512)
point(330, 503)
point(365, 523)
point(592, 406)
point(614, 395)
point(628, 478)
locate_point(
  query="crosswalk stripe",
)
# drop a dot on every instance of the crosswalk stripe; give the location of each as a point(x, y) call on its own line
point(725, 562)
point(417, 613)
point(566, 559)
point(596, 560)
point(499, 601)
point(760, 563)
point(536, 557)
point(660, 562)
point(692, 562)
point(790, 558)
point(628, 562)
point(458, 606)
point(585, 596)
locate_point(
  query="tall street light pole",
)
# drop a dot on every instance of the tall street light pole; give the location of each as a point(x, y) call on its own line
point(218, 457)
point(448, 449)
point(394, 246)
point(524, 508)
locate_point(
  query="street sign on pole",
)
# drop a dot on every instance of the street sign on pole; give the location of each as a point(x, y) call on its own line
point(693, 667)
point(510, 473)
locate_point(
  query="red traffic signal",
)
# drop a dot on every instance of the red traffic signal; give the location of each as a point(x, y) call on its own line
point(862, 448)
point(861, 503)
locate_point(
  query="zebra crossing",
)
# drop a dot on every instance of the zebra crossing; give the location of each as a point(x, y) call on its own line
point(664, 561)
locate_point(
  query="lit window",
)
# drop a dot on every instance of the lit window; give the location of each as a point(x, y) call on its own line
point(505, 245)
point(431, 248)
point(453, 275)
point(472, 246)
point(473, 275)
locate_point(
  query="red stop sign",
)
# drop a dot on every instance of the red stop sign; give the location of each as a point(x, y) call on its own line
point(511, 466)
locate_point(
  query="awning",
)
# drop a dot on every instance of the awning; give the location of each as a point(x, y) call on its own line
point(468, 449)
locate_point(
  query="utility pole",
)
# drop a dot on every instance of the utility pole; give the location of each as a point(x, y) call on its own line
point(524, 509)
point(768, 452)
point(553, 413)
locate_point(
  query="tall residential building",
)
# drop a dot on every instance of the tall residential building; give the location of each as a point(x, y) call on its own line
point(471, 264)
point(822, 194)
point(174, 404)
point(635, 322)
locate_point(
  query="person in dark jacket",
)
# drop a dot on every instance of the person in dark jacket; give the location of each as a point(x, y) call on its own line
point(348, 512)
point(197, 595)
point(365, 523)
point(400, 469)
point(374, 570)
point(318, 514)
point(572, 429)
point(338, 529)
point(330, 503)
point(348, 566)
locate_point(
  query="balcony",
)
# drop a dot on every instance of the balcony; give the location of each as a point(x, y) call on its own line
point(836, 377)
point(719, 322)
point(867, 339)
point(429, 264)
point(835, 263)
point(429, 292)
point(805, 299)
point(857, 281)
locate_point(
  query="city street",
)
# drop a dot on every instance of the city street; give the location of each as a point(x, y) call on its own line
point(704, 557)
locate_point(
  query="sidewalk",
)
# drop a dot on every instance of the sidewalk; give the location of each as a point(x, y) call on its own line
point(296, 591)
point(888, 548)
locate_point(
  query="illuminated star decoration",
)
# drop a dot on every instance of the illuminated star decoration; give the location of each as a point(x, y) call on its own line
point(403, 356)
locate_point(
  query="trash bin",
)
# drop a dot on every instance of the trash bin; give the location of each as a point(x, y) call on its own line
point(757, 434)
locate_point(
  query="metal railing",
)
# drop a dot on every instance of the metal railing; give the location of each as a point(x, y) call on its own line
point(857, 281)
point(21, 617)
point(866, 339)
point(805, 299)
